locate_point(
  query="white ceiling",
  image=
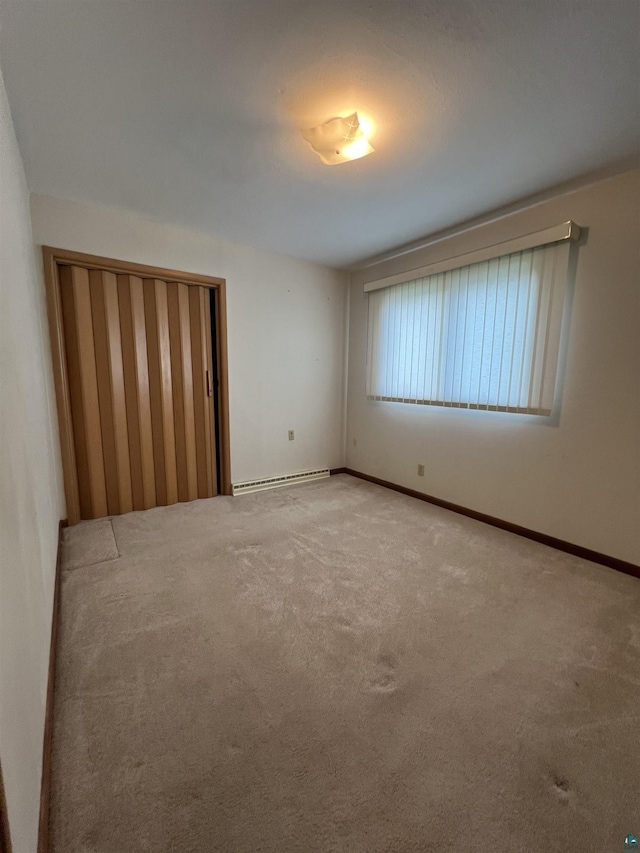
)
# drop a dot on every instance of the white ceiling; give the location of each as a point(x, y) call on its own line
point(187, 111)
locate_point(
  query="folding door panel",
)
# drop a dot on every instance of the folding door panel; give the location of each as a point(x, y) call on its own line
point(139, 366)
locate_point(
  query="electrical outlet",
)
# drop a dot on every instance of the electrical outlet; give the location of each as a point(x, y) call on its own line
point(292, 435)
point(420, 470)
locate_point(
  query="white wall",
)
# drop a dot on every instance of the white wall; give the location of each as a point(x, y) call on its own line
point(286, 330)
point(576, 477)
point(30, 504)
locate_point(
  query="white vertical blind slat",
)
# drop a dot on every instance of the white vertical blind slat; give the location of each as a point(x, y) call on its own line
point(514, 342)
point(505, 336)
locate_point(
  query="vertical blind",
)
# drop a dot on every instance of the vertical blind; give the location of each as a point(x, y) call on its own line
point(482, 336)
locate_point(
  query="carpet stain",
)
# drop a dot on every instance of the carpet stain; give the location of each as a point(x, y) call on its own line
point(561, 788)
point(385, 679)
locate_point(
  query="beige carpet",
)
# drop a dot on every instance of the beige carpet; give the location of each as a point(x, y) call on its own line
point(337, 668)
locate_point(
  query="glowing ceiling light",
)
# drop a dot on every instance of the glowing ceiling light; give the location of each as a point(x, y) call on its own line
point(339, 140)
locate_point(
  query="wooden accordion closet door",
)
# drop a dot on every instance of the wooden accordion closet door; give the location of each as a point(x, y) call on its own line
point(139, 365)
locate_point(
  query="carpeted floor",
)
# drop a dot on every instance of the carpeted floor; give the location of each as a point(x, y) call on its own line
point(337, 668)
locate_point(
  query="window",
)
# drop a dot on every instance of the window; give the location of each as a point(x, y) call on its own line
point(481, 336)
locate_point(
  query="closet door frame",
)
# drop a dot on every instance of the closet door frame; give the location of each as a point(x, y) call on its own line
point(52, 259)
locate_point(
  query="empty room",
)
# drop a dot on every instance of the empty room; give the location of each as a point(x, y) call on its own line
point(319, 426)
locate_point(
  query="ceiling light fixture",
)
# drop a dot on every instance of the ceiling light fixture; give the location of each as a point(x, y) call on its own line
point(339, 140)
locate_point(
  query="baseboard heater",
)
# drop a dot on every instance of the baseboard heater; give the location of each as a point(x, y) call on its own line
point(277, 482)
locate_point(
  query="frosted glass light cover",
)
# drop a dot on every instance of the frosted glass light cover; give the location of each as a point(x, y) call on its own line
point(338, 140)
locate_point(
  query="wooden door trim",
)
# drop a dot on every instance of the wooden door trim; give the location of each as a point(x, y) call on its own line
point(64, 256)
point(5, 835)
point(47, 743)
point(52, 258)
point(61, 381)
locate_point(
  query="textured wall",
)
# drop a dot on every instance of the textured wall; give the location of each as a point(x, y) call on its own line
point(286, 327)
point(30, 502)
point(576, 477)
